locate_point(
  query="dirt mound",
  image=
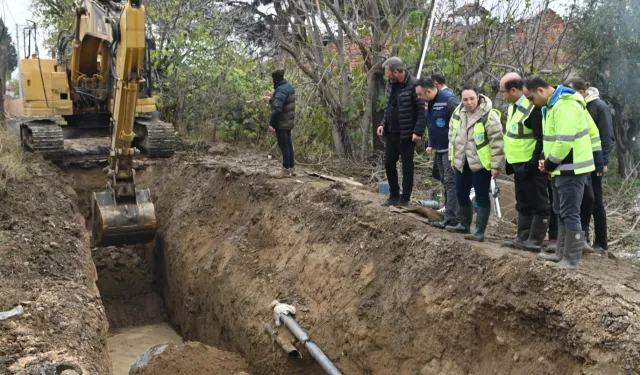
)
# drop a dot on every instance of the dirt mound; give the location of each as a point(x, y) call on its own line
point(45, 266)
point(379, 292)
point(195, 358)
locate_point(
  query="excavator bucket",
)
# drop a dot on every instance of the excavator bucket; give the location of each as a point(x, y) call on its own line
point(124, 223)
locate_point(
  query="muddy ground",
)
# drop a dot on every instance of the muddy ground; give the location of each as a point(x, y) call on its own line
point(46, 267)
point(381, 293)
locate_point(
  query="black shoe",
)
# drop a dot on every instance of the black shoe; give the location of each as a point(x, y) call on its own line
point(444, 223)
point(403, 202)
point(392, 201)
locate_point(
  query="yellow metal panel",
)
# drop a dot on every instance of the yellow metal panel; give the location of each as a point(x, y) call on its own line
point(50, 81)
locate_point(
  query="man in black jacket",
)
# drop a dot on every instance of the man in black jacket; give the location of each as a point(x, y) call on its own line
point(283, 113)
point(601, 114)
point(402, 126)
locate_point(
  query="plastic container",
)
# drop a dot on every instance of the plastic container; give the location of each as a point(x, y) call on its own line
point(384, 189)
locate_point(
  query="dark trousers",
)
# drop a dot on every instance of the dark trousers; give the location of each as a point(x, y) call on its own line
point(553, 218)
point(448, 179)
point(567, 198)
point(532, 196)
point(286, 146)
point(593, 204)
point(480, 181)
point(395, 149)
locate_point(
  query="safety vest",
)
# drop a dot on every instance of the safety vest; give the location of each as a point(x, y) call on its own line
point(479, 135)
point(567, 130)
point(519, 142)
point(594, 133)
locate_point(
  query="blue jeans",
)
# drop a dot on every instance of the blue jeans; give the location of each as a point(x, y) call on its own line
point(480, 181)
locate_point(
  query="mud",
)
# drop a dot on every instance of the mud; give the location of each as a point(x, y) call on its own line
point(45, 266)
point(195, 358)
point(380, 293)
point(126, 344)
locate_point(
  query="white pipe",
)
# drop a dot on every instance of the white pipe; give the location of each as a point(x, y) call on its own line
point(313, 349)
point(426, 42)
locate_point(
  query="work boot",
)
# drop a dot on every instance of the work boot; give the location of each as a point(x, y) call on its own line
point(464, 226)
point(574, 244)
point(404, 200)
point(393, 200)
point(539, 229)
point(482, 219)
point(600, 251)
point(524, 227)
point(444, 223)
point(556, 256)
point(552, 245)
point(586, 248)
point(293, 171)
point(284, 173)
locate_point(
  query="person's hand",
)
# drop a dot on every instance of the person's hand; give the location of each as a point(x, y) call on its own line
point(416, 138)
point(266, 98)
point(429, 149)
point(604, 171)
point(495, 173)
point(453, 166)
point(271, 129)
point(541, 166)
point(380, 130)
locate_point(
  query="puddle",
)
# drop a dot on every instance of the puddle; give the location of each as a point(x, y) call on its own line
point(126, 344)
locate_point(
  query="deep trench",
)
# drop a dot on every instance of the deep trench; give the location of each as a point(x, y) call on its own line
point(130, 281)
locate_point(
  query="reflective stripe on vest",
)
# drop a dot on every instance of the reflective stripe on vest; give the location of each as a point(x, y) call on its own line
point(583, 143)
point(479, 136)
point(519, 142)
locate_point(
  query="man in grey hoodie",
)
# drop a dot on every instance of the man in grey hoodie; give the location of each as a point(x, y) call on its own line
point(601, 114)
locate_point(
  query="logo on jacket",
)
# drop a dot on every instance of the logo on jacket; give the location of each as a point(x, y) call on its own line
point(514, 128)
point(479, 138)
point(440, 122)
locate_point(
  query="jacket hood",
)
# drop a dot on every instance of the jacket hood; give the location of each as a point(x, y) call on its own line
point(565, 93)
point(592, 94)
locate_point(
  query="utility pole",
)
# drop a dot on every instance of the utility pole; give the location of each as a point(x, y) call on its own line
point(3, 83)
point(19, 68)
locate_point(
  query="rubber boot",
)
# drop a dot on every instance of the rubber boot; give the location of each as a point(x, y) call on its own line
point(482, 218)
point(464, 226)
point(586, 248)
point(557, 255)
point(539, 229)
point(524, 227)
point(573, 246)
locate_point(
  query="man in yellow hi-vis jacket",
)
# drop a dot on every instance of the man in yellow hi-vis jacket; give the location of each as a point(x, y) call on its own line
point(569, 158)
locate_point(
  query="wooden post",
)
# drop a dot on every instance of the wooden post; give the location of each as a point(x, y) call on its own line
point(3, 84)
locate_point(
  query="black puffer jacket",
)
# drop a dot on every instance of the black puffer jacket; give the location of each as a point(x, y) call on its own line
point(410, 109)
point(283, 106)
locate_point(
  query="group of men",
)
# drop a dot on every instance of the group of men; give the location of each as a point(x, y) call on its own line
point(553, 147)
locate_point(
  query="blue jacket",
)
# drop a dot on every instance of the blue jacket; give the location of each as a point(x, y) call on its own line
point(438, 114)
point(283, 106)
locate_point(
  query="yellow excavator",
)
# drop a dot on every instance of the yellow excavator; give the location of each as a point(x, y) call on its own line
point(106, 86)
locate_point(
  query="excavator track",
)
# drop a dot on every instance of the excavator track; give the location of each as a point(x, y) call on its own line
point(44, 137)
point(155, 138)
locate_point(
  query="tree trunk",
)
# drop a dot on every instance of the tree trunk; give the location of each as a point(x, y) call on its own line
point(627, 145)
point(377, 90)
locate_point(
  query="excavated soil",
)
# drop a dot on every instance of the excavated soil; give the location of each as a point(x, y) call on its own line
point(195, 358)
point(45, 266)
point(380, 292)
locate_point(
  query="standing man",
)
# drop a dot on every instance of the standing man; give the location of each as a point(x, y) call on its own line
point(522, 148)
point(440, 107)
point(569, 160)
point(601, 115)
point(403, 124)
point(283, 113)
point(440, 82)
